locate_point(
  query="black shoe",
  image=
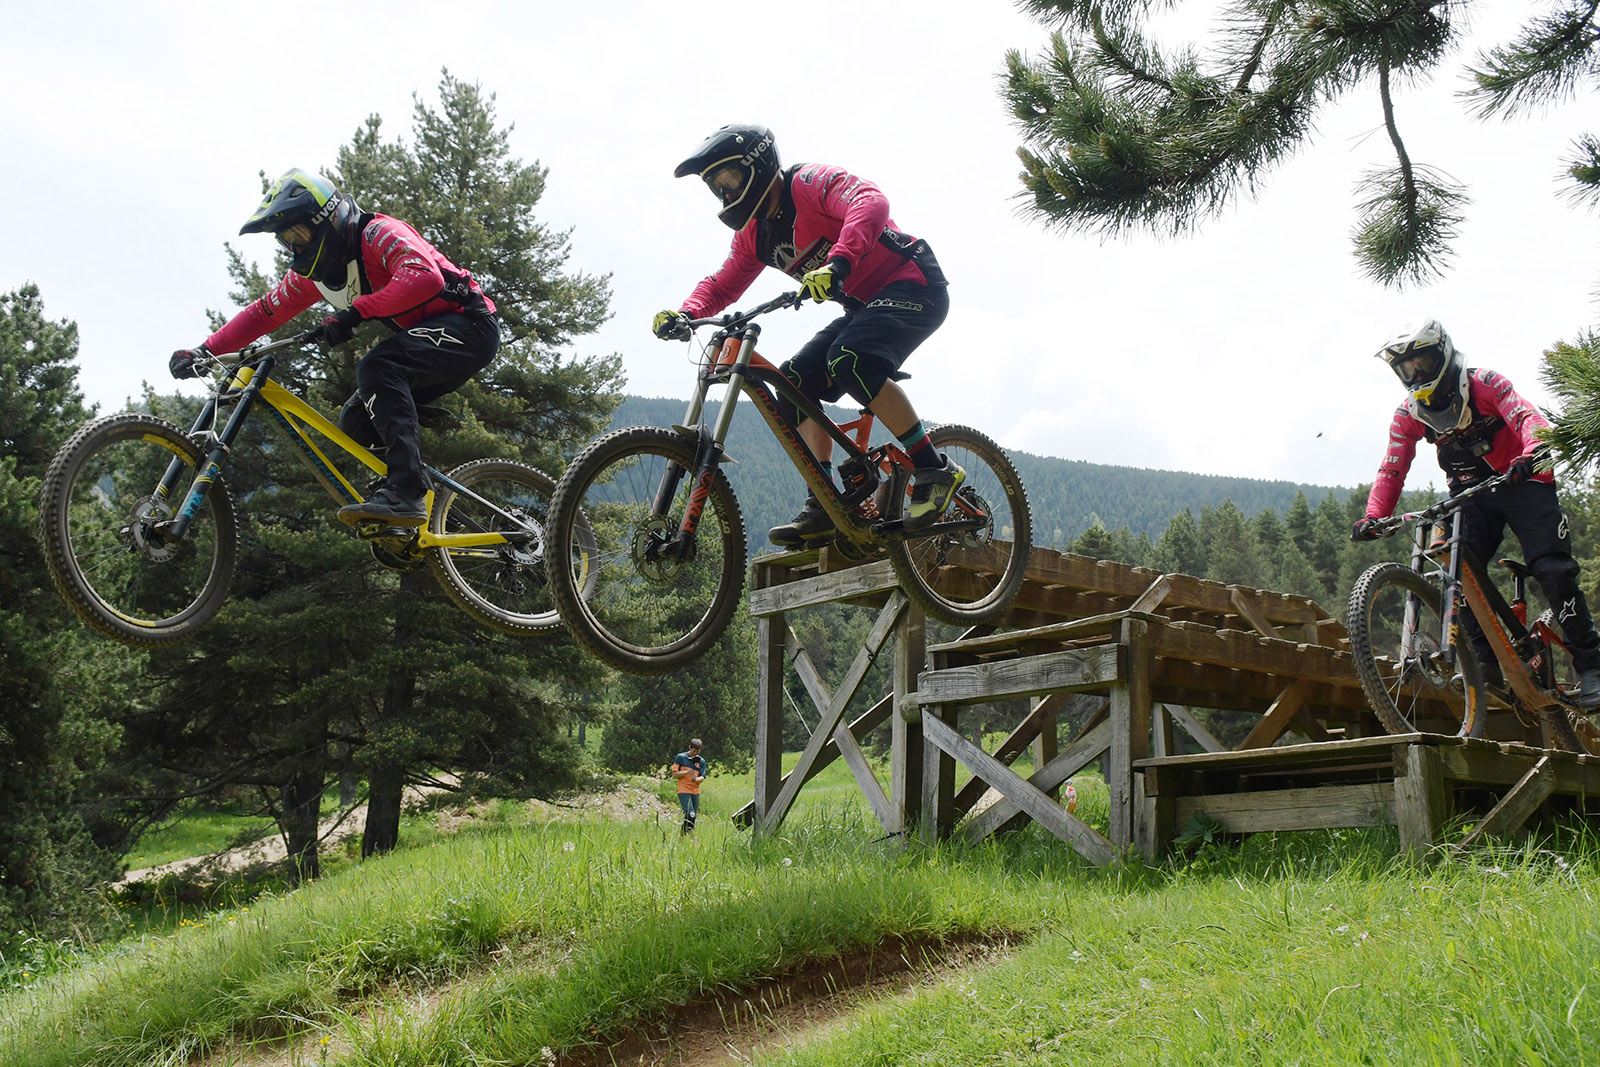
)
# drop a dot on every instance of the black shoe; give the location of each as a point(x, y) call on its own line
point(1589, 689)
point(811, 525)
point(387, 505)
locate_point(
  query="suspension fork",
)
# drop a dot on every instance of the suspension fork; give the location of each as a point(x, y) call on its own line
point(733, 351)
point(211, 465)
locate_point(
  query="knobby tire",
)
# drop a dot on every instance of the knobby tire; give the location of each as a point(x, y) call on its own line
point(625, 603)
point(969, 577)
point(1374, 623)
point(96, 507)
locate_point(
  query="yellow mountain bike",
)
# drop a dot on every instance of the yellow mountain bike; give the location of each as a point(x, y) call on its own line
point(141, 538)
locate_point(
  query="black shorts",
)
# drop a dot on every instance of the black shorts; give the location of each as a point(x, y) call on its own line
point(857, 352)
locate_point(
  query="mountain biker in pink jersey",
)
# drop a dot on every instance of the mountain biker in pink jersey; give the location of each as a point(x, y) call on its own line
point(368, 266)
point(830, 230)
point(1482, 427)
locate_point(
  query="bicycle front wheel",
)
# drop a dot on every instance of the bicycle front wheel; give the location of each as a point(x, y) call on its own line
point(106, 496)
point(640, 599)
point(969, 574)
point(504, 586)
point(1395, 625)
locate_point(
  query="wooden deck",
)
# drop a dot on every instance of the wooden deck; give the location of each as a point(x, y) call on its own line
point(1133, 654)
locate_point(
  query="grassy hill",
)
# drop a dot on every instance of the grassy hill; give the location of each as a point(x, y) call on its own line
point(1066, 495)
point(533, 941)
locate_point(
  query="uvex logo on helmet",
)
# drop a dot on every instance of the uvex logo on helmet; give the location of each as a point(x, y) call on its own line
point(756, 152)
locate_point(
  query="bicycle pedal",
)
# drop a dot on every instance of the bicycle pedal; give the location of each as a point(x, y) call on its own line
point(370, 531)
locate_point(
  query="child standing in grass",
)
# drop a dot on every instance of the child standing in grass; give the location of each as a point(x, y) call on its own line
point(690, 770)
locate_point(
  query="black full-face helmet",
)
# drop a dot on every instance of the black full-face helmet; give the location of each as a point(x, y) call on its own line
point(313, 220)
point(1428, 365)
point(739, 164)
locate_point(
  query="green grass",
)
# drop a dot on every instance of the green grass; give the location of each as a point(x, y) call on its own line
point(1294, 948)
point(196, 833)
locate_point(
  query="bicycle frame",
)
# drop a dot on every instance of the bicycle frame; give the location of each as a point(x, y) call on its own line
point(736, 364)
point(1463, 579)
point(250, 382)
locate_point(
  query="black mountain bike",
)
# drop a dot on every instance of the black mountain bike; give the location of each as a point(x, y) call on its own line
point(1412, 652)
point(141, 538)
point(669, 540)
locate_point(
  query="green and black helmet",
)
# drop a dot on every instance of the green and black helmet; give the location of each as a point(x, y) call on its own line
point(313, 220)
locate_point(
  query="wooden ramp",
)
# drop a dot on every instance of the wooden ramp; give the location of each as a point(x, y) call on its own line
point(1129, 654)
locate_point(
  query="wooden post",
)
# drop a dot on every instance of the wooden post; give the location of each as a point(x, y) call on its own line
point(938, 771)
point(905, 724)
point(770, 631)
point(1420, 799)
point(1130, 728)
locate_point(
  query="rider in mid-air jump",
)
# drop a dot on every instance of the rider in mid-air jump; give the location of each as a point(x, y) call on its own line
point(831, 230)
point(368, 266)
point(1482, 428)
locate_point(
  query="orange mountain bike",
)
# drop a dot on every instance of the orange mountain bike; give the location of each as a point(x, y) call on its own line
point(669, 538)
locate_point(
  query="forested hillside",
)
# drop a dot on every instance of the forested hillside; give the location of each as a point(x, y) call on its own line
point(1068, 496)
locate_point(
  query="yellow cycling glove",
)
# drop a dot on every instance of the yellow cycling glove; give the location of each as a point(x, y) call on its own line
point(827, 281)
point(670, 324)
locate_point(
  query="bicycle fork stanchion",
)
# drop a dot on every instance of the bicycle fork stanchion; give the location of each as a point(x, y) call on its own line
point(211, 465)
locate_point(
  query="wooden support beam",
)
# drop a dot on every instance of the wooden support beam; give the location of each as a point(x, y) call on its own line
point(830, 719)
point(1277, 718)
point(868, 721)
point(1130, 729)
point(1421, 800)
point(1318, 808)
point(769, 714)
point(1245, 602)
point(1506, 819)
point(1152, 597)
point(905, 737)
point(1013, 746)
point(1044, 810)
point(1090, 746)
point(1191, 726)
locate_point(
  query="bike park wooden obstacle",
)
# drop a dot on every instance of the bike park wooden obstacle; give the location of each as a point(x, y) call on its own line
point(1131, 653)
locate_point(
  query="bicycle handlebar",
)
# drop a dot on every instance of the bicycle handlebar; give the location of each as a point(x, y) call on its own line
point(1389, 526)
point(250, 351)
point(739, 318)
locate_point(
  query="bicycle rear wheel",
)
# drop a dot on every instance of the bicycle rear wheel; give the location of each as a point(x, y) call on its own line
point(99, 524)
point(968, 576)
point(504, 586)
point(634, 600)
point(1399, 663)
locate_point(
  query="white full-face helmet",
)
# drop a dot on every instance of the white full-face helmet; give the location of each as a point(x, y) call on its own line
point(1428, 365)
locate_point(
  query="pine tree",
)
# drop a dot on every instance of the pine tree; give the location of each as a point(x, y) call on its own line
point(1121, 135)
point(57, 683)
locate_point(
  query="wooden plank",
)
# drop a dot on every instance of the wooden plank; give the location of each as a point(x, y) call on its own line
point(1505, 766)
point(1277, 718)
point(823, 589)
point(1068, 671)
point(1101, 625)
point(868, 781)
point(1044, 811)
point(841, 698)
point(1506, 818)
point(1318, 808)
point(1421, 801)
point(1302, 755)
point(1191, 726)
point(807, 671)
point(1152, 597)
point(1076, 756)
point(1240, 651)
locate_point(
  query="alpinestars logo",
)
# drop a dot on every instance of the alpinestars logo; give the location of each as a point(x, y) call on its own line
point(1568, 610)
point(1561, 528)
point(437, 334)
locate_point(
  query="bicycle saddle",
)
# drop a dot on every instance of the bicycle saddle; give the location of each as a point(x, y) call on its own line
point(1517, 567)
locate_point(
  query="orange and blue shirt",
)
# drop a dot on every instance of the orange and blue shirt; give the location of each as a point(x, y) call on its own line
point(684, 761)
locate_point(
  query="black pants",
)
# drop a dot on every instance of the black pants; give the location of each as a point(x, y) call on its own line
point(1534, 514)
point(417, 366)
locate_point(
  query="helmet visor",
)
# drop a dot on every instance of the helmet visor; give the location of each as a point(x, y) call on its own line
point(296, 239)
point(728, 182)
point(1420, 366)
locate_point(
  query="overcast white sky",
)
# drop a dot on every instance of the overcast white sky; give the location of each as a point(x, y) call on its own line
point(133, 134)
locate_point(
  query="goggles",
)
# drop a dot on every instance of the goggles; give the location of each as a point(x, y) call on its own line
point(1419, 367)
point(728, 182)
point(296, 238)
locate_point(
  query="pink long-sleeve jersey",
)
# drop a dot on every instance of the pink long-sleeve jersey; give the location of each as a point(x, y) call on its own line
point(1503, 426)
point(826, 212)
point(399, 277)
